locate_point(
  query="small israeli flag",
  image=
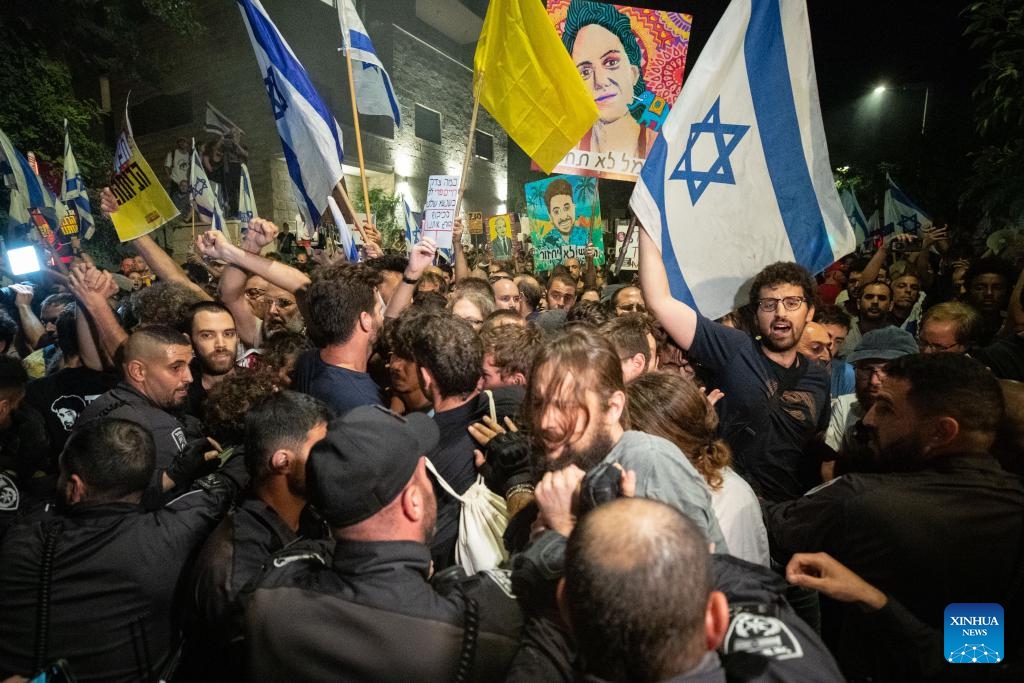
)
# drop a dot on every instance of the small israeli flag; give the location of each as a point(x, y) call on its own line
point(18, 175)
point(310, 137)
point(73, 192)
point(219, 124)
point(246, 200)
point(203, 196)
point(412, 226)
point(374, 94)
point(900, 213)
point(345, 238)
point(739, 177)
point(855, 214)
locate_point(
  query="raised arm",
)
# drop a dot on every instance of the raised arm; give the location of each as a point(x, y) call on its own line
point(92, 287)
point(160, 262)
point(461, 264)
point(31, 327)
point(678, 319)
point(419, 260)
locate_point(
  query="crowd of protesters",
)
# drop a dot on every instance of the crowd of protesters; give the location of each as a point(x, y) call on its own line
point(256, 465)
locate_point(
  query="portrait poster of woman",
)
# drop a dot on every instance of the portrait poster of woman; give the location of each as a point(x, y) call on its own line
point(632, 61)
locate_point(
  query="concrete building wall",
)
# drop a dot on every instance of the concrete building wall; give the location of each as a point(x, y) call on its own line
point(426, 67)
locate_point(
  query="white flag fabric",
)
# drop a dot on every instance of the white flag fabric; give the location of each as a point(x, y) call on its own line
point(19, 175)
point(345, 237)
point(739, 177)
point(855, 214)
point(310, 137)
point(219, 124)
point(412, 226)
point(73, 192)
point(203, 196)
point(374, 94)
point(900, 213)
point(246, 200)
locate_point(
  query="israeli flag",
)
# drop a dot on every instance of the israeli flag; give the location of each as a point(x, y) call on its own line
point(310, 137)
point(203, 197)
point(219, 124)
point(739, 177)
point(73, 192)
point(412, 226)
point(246, 200)
point(18, 175)
point(374, 94)
point(900, 213)
point(345, 238)
point(855, 214)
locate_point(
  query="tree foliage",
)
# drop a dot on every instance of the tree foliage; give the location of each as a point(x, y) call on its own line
point(997, 28)
point(53, 53)
point(385, 209)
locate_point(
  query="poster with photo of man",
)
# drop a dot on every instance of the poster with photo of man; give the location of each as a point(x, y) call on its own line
point(499, 233)
point(565, 216)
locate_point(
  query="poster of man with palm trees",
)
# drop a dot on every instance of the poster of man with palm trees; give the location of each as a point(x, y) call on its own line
point(565, 217)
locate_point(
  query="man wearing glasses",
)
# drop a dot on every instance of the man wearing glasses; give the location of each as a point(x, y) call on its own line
point(776, 400)
point(845, 434)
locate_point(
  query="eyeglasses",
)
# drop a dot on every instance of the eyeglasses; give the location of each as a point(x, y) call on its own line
point(869, 371)
point(632, 308)
point(790, 303)
point(282, 304)
point(928, 347)
point(255, 293)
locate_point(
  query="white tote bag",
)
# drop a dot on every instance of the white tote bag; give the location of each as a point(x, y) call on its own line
point(482, 521)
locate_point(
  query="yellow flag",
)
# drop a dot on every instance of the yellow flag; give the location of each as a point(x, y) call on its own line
point(529, 83)
point(144, 205)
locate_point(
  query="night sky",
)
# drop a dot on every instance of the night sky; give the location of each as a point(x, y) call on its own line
point(857, 45)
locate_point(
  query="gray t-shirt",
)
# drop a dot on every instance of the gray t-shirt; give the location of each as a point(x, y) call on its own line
point(664, 473)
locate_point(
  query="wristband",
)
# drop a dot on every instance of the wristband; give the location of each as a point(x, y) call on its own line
point(409, 281)
point(517, 489)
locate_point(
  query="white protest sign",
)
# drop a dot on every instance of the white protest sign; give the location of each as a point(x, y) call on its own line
point(632, 260)
point(439, 209)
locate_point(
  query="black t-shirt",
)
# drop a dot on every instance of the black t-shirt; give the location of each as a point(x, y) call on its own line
point(61, 397)
point(769, 412)
point(453, 458)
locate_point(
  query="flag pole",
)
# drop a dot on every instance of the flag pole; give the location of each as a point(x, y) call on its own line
point(625, 244)
point(347, 203)
point(192, 195)
point(355, 117)
point(469, 143)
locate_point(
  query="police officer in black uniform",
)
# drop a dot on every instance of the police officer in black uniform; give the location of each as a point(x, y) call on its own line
point(369, 611)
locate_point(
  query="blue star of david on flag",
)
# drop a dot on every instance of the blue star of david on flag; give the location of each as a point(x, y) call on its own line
point(909, 223)
point(198, 187)
point(726, 137)
point(277, 100)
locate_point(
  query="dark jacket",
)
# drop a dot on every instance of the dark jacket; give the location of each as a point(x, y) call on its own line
point(370, 614)
point(231, 559)
point(950, 533)
point(170, 431)
point(453, 458)
point(765, 641)
point(115, 571)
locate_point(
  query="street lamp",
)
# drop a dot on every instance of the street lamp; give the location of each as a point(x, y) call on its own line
point(882, 87)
